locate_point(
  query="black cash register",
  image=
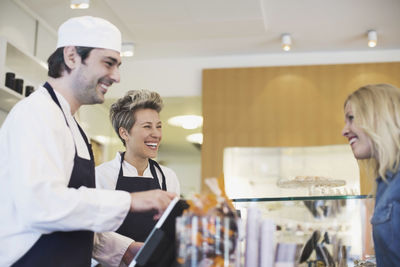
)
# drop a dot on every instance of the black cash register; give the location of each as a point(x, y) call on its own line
point(159, 249)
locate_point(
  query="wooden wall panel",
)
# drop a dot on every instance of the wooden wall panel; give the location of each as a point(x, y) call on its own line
point(280, 106)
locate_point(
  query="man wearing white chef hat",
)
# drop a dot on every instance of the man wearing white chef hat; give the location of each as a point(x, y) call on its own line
point(49, 207)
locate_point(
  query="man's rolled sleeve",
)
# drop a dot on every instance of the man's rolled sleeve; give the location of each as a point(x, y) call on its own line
point(110, 247)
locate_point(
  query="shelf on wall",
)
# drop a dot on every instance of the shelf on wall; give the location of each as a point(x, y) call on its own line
point(24, 65)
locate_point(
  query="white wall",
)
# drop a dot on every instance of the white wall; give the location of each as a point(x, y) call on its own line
point(3, 116)
point(94, 119)
point(17, 25)
point(46, 43)
point(187, 167)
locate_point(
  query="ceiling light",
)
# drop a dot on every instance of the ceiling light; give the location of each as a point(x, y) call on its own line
point(102, 139)
point(196, 138)
point(187, 121)
point(79, 4)
point(127, 49)
point(372, 38)
point(286, 42)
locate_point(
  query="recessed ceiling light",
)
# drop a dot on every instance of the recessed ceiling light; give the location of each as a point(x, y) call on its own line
point(127, 50)
point(102, 139)
point(196, 138)
point(187, 121)
point(79, 4)
point(286, 42)
point(372, 38)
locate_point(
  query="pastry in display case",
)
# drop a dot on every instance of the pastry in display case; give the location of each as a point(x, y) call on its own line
point(316, 185)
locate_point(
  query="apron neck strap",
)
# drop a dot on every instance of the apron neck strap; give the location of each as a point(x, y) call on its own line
point(152, 163)
point(55, 99)
point(154, 173)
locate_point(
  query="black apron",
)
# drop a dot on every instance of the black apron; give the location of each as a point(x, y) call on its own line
point(139, 225)
point(69, 249)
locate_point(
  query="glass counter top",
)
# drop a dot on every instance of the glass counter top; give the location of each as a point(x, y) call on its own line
point(268, 199)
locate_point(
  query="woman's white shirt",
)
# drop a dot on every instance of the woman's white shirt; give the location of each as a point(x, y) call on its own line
point(106, 178)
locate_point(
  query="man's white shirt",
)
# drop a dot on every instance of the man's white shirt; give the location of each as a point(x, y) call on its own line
point(37, 151)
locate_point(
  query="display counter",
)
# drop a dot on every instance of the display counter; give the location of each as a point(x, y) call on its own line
point(307, 231)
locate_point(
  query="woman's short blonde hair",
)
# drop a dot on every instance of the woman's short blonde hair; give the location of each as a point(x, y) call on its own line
point(122, 112)
point(376, 110)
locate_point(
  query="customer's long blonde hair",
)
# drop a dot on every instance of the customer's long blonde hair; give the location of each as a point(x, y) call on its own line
point(376, 110)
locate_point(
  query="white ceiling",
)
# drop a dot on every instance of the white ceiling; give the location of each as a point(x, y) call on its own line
point(174, 29)
point(193, 28)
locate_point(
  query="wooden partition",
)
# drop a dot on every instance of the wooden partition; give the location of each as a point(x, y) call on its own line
point(280, 106)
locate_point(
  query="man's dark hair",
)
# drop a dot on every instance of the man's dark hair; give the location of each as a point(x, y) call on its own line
point(57, 64)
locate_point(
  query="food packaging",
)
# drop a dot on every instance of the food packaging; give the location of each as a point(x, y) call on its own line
point(207, 234)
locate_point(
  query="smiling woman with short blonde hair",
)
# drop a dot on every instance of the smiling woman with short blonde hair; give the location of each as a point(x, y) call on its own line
point(122, 112)
point(135, 119)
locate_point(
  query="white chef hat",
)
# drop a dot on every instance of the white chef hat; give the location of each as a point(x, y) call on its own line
point(89, 31)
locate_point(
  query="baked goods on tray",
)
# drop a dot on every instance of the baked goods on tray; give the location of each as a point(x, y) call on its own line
point(306, 181)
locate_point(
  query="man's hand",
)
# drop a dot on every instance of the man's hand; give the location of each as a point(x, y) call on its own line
point(131, 252)
point(152, 200)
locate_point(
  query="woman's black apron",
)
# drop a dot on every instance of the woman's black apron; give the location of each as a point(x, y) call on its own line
point(139, 225)
point(65, 248)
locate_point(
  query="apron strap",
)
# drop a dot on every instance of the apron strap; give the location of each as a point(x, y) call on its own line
point(55, 99)
point(153, 172)
point(89, 146)
point(152, 163)
point(120, 168)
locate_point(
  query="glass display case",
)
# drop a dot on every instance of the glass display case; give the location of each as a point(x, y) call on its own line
point(306, 231)
point(256, 172)
point(301, 206)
